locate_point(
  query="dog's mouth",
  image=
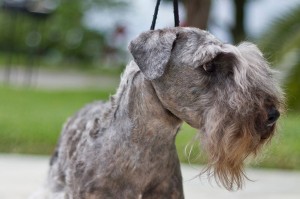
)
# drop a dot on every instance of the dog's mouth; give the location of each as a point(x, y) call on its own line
point(271, 124)
point(265, 124)
point(265, 131)
point(268, 133)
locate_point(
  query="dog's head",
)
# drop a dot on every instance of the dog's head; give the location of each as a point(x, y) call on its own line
point(228, 92)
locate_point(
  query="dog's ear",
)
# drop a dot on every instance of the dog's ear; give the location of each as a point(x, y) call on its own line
point(151, 51)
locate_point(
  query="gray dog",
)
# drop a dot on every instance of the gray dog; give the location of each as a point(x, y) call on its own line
point(124, 148)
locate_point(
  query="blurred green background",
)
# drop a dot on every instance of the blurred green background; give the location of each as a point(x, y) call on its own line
point(53, 60)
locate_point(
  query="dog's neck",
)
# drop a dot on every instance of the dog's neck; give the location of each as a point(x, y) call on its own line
point(139, 104)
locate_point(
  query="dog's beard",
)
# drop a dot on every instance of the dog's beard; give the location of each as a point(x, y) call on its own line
point(227, 144)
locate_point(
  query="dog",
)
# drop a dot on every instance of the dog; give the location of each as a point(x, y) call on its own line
point(125, 148)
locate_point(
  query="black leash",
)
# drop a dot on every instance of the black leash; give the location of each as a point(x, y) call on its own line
point(176, 14)
point(155, 15)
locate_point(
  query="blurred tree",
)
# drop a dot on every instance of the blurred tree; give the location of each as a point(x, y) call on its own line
point(281, 41)
point(62, 36)
point(197, 12)
point(70, 37)
point(238, 30)
point(197, 15)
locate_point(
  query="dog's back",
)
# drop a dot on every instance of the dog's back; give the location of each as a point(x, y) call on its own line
point(71, 141)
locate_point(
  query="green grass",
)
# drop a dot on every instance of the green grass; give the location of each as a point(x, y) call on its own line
point(31, 121)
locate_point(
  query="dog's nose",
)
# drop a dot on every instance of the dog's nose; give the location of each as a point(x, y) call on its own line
point(273, 115)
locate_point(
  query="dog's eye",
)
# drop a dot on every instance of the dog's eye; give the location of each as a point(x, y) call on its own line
point(209, 67)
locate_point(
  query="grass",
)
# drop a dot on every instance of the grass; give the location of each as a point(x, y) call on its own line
point(23, 129)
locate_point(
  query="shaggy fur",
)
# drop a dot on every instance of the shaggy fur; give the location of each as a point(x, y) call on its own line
point(125, 148)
